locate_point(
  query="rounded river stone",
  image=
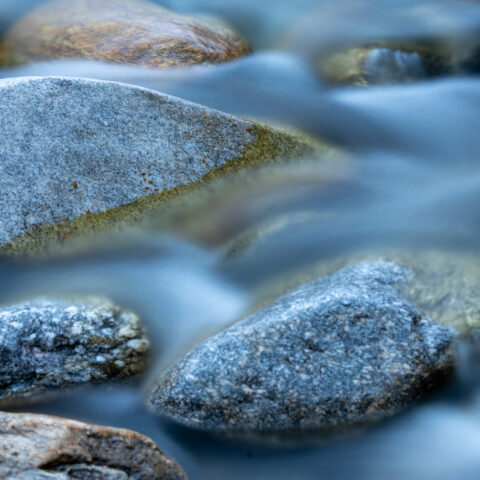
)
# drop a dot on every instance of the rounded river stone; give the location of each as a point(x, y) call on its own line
point(54, 343)
point(119, 31)
point(39, 447)
point(343, 350)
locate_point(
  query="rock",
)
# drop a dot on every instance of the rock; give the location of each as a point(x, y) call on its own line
point(385, 63)
point(51, 343)
point(34, 447)
point(346, 68)
point(119, 31)
point(445, 285)
point(125, 150)
point(343, 350)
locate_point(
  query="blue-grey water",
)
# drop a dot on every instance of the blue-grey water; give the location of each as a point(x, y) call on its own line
point(412, 180)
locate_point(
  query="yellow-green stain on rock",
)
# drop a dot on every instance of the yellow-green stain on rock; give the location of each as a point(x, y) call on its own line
point(126, 151)
point(271, 146)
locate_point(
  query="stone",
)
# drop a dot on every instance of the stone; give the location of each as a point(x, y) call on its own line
point(39, 447)
point(444, 284)
point(344, 350)
point(119, 31)
point(125, 150)
point(384, 63)
point(47, 344)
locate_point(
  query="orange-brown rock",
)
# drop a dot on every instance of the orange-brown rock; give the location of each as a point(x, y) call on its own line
point(38, 446)
point(119, 31)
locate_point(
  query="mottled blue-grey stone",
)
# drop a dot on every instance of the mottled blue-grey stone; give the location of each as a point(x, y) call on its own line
point(342, 350)
point(48, 343)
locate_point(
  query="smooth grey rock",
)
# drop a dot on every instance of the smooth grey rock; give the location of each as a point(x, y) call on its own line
point(342, 350)
point(51, 343)
point(76, 147)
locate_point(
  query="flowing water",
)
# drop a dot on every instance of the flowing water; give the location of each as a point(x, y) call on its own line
point(411, 180)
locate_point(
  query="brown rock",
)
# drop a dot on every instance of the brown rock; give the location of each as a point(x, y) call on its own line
point(42, 447)
point(119, 31)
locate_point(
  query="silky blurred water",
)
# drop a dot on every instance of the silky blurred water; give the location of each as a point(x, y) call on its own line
point(409, 178)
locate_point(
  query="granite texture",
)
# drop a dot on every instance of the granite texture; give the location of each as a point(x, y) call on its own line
point(51, 343)
point(343, 350)
point(444, 284)
point(74, 148)
point(132, 32)
point(37, 447)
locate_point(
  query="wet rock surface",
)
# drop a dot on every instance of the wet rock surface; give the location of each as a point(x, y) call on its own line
point(384, 63)
point(120, 153)
point(34, 447)
point(119, 31)
point(445, 285)
point(52, 344)
point(343, 350)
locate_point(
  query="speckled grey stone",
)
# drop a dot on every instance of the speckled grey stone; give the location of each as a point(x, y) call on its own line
point(444, 284)
point(52, 343)
point(73, 147)
point(342, 350)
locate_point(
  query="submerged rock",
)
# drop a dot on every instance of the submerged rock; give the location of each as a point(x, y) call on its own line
point(385, 63)
point(50, 344)
point(124, 150)
point(342, 350)
point(34, 447)
point(119, 31)
point(446, 286)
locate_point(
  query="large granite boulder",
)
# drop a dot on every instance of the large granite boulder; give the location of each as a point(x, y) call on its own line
point(79, 155)
point(341, 351)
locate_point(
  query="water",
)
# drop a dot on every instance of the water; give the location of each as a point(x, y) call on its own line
point(386, 66)
point(411, 179)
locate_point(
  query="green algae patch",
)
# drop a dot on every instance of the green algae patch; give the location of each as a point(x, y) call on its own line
point(270, 147)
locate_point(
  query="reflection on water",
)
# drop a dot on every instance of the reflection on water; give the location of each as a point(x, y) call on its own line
point(412, 179)
point(384, 66)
